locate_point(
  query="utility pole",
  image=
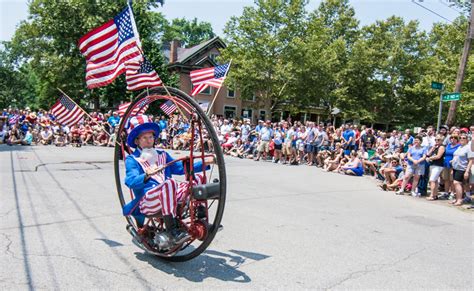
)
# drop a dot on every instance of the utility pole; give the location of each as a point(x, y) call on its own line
point(462, 66)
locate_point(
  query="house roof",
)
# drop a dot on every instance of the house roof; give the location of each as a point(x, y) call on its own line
point(185, 54)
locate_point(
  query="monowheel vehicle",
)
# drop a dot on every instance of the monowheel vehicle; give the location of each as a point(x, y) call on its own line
point(200, 213)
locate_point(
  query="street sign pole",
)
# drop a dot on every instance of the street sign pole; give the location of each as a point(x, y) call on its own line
point(440, 109)
point(439, 86)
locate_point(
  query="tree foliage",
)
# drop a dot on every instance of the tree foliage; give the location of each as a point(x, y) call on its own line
point(44, 50)
point(189, 33)
point(379, 73)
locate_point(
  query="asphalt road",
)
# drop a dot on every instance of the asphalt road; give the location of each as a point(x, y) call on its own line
point(284, 227)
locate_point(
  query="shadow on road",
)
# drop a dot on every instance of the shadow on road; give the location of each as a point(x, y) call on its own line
point(211, 264)
point(14, 148)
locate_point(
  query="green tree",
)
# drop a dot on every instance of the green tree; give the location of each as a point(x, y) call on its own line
point(260, 44)
point(189, 33)
point(446, 45)
point(331, 34)
point(45, 45)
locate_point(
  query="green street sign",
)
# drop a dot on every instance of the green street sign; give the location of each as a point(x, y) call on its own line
point(451, 96)
point(436, 85)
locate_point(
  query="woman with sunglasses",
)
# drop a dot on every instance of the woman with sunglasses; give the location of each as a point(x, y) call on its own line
point(436, 160)
point(460, 172)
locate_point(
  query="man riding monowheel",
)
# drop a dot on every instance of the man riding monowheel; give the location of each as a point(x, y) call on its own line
point(149, 175)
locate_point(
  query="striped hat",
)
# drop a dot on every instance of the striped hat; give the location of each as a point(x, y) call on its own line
point(138, 125)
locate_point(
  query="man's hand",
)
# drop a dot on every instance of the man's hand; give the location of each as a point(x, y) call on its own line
point(153, 170)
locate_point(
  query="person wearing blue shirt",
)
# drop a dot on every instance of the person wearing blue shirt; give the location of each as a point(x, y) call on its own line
point(416, 157)
point(259, 126)
point(28, 139)
point(265, 135)
point(163, 123)
point(150, 179)
point(349, 140)
point(113, 120)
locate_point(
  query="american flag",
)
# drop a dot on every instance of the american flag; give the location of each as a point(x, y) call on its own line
point(14, 119)
point(141, 107)
point(203, 78)
point(141, 75)
point(108, 47)
point(66, 111)
point(168, 107)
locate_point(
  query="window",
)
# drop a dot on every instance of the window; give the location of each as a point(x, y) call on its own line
point(230, 111)
point(213, 57)
point(262, 114)
point(230, 93)
point(247, 113)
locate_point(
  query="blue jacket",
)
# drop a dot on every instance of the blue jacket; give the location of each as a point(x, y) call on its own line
point(135, 176)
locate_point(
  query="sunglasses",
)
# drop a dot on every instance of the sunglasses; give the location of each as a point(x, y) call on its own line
point(463, 137)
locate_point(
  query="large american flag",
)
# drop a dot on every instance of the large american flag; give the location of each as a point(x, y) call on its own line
point(108, 47)
point(66, 111)
point(141, 75)
point(168, 107)
point(203, 78)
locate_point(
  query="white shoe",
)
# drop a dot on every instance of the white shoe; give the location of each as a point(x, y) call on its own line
point(415, 194)
point(399, 192)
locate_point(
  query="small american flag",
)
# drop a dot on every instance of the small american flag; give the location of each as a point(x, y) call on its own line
point(141, 75)
point(13, 119)
point(203, 78)
point(108, 47)
point(141, 107)
point(66, 111)
point(168, 107)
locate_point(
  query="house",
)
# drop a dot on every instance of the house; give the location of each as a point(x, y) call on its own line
point(228, 103)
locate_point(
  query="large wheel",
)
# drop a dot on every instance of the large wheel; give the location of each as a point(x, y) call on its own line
point(201, 124)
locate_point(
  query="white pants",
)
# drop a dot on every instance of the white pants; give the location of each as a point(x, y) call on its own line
point(435, 172)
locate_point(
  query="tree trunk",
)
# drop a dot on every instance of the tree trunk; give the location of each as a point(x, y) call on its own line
point(96, 103)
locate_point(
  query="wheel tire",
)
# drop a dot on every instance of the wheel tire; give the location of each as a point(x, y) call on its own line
point(219, 162)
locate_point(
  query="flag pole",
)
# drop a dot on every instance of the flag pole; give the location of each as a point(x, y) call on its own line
point(164, 86)
point(217, 93)
point(82, 110)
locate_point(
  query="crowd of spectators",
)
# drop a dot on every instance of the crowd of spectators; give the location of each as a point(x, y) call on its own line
point(438, 165)
point(27, 127)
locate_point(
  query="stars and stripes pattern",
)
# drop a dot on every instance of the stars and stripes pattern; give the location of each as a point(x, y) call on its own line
point(141, 75)
point(203, 78)
point(108, 47)
point(168, 107)
point(136, 121)
point(13, 119)
point(141, 107)
point(66, 111)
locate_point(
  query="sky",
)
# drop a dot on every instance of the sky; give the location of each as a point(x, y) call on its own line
point(218, 12)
